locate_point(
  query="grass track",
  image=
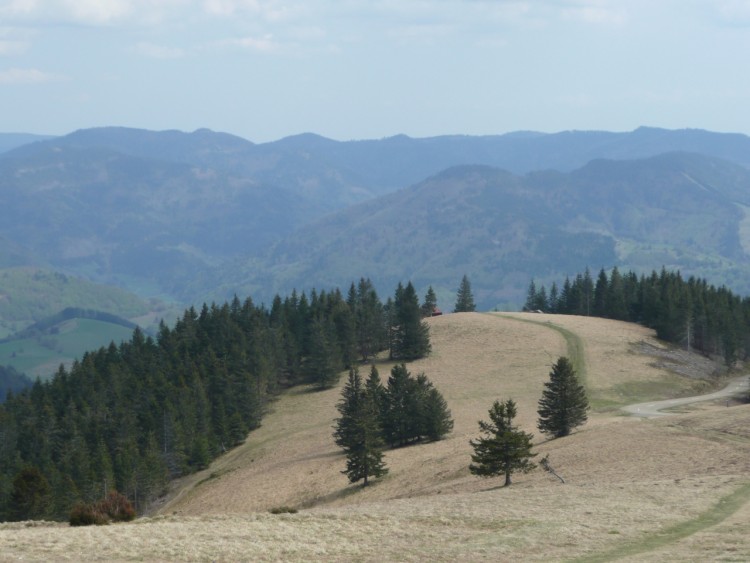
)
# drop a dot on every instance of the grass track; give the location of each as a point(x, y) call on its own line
point(573, 342)
point(722, 510)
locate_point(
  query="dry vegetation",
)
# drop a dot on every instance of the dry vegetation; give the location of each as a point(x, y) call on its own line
point(667, 489)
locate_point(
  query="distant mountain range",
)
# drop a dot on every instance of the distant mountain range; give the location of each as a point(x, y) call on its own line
point(204, 214)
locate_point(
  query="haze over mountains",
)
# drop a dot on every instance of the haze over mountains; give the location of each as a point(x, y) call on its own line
point(204, 215)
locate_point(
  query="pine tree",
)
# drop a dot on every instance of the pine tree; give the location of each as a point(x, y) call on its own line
point(349, 407)
point(400, 420)
point(358, 432)
point(563, 404)
point(435, 420)
point(410, 335)
point(464, 297)
point(324, 362)
point(430, 303)
point(504, 449)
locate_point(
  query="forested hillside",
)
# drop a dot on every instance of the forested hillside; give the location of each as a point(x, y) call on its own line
point(133, 416)
point(693, 313)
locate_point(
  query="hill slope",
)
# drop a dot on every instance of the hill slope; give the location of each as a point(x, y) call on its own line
point(28, 295)
point(634, 488)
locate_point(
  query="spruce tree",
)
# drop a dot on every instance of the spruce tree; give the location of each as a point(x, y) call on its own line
point(400, 421)
point(349, 407)
point(410, 335)
point(563, 404)
point(504, 449)
point(464, 297)
point(358, 432)
point(430, 303)
point(435, 420)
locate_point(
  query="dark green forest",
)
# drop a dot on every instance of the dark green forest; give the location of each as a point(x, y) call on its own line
point(132, 417)
point(691, 313)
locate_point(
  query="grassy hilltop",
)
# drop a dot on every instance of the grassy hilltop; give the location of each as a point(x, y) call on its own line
point(642, 490)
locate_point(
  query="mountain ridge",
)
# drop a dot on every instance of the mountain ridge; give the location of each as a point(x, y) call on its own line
point(172, 213)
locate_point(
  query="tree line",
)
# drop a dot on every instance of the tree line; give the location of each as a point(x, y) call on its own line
point(132, 417)
point(692, 313)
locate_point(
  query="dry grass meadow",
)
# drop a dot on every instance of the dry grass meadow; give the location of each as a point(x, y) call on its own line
point(669, 489)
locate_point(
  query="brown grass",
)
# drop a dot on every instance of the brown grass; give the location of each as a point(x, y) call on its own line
point(626, 479)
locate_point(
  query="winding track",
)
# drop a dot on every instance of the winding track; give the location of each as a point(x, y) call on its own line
point(652, 409)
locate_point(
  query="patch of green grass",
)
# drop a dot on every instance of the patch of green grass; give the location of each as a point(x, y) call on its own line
point(573, 342)
point(722, 510)
point(39, 357)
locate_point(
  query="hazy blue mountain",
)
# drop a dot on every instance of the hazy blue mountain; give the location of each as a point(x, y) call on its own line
point(145, 223)
point(9, 141)
point(194, 214)
point(682, 210)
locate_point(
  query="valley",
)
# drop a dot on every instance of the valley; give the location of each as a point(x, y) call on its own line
point(635, 489)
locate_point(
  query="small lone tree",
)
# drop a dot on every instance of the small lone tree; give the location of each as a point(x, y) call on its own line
point(505, 449)
point(464, 297)
point(563, 404)
point(430, 303)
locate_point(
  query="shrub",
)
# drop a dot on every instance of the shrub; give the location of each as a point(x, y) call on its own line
point(86, 514)
point(283, 510)
point(115, 507)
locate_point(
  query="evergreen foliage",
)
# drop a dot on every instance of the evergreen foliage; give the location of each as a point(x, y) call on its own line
point(407, 410)
point(504, 449)
point(464, 297)
point(563, 404)
point(692, 313)
point(30, 497)
point(133, 416)
point(358, 432)
point(410, 335)
point(429, 305)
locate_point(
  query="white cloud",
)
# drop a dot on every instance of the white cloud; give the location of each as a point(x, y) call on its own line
point(271, 10)
point(155, 51)
point(264, 44)
point(97, 11)
point(14, 41)
point(10, 47)
point(26, 76)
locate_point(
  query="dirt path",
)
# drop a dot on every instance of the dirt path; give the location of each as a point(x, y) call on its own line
point(653, 409)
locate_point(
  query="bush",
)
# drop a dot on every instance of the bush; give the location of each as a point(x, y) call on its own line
point(115, 507)
point(283, 510)
point(86, 514)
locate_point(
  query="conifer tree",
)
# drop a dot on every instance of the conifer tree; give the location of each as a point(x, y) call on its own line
point(464, 297)
point(410, 335)
point(358, 432)
point(504, 449)
point(400, 423)
point(563, 404)
point(435, 420)
point(325, 360)
point(430, 303)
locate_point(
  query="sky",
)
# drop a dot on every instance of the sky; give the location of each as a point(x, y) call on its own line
point(368, 69)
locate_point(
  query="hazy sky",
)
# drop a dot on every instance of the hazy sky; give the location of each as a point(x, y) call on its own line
point(354, 69)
